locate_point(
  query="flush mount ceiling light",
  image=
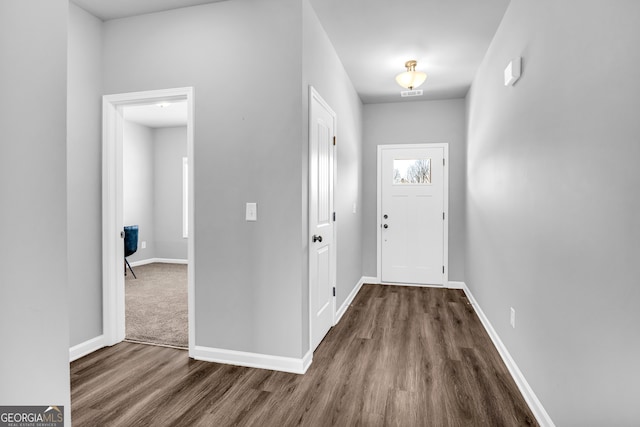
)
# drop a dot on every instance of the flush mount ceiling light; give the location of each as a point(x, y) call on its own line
point(411, 78)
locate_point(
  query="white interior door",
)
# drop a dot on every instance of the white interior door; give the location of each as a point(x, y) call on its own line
point(322, 126)
point(412, 217)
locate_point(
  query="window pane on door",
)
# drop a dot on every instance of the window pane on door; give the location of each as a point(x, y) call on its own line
point(412, 171)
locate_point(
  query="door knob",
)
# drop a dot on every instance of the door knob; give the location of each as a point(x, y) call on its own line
point(317, 238)
point(385, 226)
point(122, 234)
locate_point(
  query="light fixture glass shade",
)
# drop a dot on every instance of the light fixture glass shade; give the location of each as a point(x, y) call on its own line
point(411, 78)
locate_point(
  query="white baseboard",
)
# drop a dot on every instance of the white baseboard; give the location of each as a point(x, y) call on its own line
point(370, 279)
point(82, 349)
point(377, 281)
point(530, 397)
point(253, 360)
point(457, 285)
point(414, 285)
point(158, 260)
point(345, 305)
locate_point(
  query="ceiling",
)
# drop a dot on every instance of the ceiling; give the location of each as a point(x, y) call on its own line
point(374, 38)
point(156, 116)
point(114, 9)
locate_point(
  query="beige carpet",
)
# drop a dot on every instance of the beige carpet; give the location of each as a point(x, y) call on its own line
point(156, 305)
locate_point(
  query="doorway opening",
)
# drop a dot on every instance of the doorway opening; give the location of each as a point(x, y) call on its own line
point(154, 156)
point(148, 182)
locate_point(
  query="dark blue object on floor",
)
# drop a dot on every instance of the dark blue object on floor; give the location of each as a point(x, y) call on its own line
point(130, 245)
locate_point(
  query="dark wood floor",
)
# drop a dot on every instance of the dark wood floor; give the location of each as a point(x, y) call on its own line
point(401, 356)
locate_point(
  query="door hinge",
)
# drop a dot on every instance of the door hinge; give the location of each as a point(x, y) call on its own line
point(443, 269)
point(334, 217)
point(443, 162)
point(443, 216)
point(334, 140)
point(334, 291)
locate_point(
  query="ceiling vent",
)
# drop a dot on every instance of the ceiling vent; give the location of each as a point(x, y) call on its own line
point(406, 93)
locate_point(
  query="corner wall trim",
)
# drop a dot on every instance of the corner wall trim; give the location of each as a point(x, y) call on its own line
point(158, 260)
point(527, 392)
point(253, 360)
point(84, 348)
point(345, 305)
point(306, 361)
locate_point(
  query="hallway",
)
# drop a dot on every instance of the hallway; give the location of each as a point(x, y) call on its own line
point(404, 356)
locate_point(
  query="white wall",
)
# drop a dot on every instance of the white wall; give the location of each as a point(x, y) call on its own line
point(152, 193)
point(553, 204)
point(248, 149)
point(138, 186)
point(248, 135)
point(34, 305)
point(152, 172)
point(323, 70)
point(84, 175)
point(411, 123)
point(169, 146)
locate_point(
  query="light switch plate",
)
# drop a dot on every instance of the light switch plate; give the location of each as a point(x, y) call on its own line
point(252, 212)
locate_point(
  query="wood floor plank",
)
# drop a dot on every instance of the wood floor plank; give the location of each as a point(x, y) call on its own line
point(401, 356)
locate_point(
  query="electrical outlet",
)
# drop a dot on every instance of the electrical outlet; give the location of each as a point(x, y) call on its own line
point(144, 245)
point(512, 320)
point(251, 212)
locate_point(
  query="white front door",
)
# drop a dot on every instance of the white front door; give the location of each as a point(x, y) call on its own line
point(322, 126)
point(412, 216)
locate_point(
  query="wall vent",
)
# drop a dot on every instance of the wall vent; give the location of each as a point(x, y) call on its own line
point(406, 93)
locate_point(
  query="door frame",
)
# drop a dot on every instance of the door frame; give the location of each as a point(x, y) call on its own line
point(113, 293)
point(445, 259)
point(314, 95)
